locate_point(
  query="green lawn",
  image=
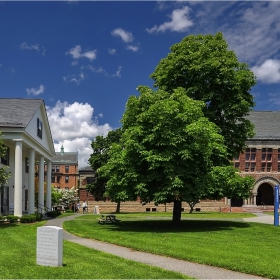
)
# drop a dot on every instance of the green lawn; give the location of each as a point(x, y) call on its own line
point(18, 260)
point(246, 247)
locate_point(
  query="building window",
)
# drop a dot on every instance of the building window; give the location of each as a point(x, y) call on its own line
point(66, 179)
point(66, 188)
point(5, 157)
point(90, 180)
point(236, 164)
point(53, 168)
point(278, 167)
point(253, 167)
point(268, 167)
point(26, 165)
point(247, 166)
point(57, 168)
point(266, 154)
point(66, 169)
point(53, 179)
point(39, 128)
point(58, 179)
point(250, 154)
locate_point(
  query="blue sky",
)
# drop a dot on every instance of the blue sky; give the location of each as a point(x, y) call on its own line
point(86, 58)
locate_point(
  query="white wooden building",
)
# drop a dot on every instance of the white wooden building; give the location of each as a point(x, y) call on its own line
point(26, 133)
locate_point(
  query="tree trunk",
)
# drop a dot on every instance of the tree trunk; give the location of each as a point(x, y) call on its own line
point(118, 210)
point(177, 213)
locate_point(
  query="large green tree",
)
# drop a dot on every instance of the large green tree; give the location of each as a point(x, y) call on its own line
point(166, 151)
point(210, 72)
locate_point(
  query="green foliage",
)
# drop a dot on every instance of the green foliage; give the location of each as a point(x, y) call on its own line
point(225, 181)
point(1, 217)
point(203, 65)
point(103, 148)
point(56, 195)
point(166, 149)
point(12, 218)
point(30, 218)
point(53, 214)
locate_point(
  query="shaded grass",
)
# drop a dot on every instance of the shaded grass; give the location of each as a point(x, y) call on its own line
point(18, 261)
point(246, 247)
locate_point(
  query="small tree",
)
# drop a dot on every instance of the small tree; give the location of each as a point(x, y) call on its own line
point(101, 153)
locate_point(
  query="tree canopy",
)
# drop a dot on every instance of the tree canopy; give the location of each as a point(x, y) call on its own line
point(166, 150)
point(100, 156)
point(203, 65)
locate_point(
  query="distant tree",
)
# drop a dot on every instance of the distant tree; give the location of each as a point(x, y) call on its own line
point(101, 147)
point(208, 71)
point(225, 181)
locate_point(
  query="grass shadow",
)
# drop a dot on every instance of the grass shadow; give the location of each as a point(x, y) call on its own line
point(167, 226)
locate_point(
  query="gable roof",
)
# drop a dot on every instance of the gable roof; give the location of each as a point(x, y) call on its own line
point(267, 124)
point(17, 112)
point(65, 158)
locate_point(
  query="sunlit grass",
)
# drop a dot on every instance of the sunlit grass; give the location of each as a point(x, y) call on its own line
point(246, 247)
point(18, 260)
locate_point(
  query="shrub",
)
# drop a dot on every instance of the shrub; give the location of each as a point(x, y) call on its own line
point(39, 216)
point(12, 218)
point(31, 218)
point(53, 214)
point(1, 217)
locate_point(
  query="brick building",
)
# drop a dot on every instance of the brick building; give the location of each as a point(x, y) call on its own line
point(261, 158)
point(65, 173)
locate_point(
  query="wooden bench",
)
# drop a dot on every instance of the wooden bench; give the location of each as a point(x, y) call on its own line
point(108, 219)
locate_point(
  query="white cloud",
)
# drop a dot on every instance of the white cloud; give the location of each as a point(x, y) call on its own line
point(179, 22)
point(112, 51)
point(268, 72)
point(252, 30)
point(35, 47)
point(75, 78)
point(125, 35)
point(76, 53)
point(25, 46)
point(118, 72)
point(34, 91)
point(63, 117)
point(133, 48)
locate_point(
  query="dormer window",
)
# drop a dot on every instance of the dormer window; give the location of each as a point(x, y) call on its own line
point(39, 128)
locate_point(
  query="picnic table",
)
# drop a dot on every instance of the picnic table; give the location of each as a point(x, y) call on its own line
point(108, 219)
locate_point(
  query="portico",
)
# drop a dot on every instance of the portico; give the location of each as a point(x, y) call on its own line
point(27, 136)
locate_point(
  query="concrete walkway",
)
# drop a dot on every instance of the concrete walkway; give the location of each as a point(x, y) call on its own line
point(198, 271)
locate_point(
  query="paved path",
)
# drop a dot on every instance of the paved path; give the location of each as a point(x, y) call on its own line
point(198, 271)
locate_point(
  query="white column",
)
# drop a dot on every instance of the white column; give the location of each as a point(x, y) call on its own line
point(229, 201)
point(18, 178)
point(49, 190)
point(255, 199)
point(41, 186)
point(31, 183)
point(226, 201)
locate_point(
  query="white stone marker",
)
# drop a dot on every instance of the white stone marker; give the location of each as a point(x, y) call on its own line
point(96, 210)
point(49, 246)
